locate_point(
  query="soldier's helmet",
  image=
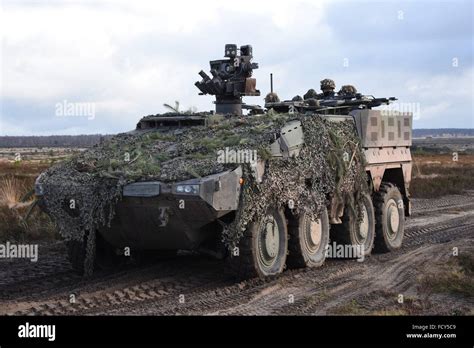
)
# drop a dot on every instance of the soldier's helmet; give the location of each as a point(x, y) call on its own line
point(297, 98)
point(347, 90)
point(310, 94)
point(272, 98)
point(327, 85)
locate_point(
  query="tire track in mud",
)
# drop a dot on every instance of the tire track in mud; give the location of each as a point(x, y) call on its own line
point(423, 205)
point(44, 289)
point(115, 290)
point(270, 297)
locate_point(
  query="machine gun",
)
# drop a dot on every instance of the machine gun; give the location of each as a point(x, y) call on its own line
point(360, 102)
point(231, 79)
point(343, 106)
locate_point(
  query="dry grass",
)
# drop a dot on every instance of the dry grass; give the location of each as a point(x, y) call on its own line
point(12, 190)
point(454, 277)
point(23, 168)
point(13, 187)
point(439, 175)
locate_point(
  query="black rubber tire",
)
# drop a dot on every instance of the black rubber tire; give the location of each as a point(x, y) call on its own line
point(347, 232)
point(247, 263)
point(386, 239)
point(300, 254)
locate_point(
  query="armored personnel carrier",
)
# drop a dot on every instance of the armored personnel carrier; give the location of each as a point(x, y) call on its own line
point(265, 190)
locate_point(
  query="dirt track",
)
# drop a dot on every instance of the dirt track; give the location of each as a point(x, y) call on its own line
point(195, 285)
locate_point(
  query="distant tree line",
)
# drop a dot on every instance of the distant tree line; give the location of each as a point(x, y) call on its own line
point(438, 132)
point(92, 139)
point(53, 140)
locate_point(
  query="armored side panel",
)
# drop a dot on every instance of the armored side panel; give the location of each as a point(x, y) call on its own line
point(386, 138)
point(380, 129)
point(290, 142)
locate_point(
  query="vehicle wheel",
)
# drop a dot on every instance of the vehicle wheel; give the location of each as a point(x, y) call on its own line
point(354, 232)
point(308, 240)
point(389, 218)
point(263, 247)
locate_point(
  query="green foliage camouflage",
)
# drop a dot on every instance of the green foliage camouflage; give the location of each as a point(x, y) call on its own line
point(331, 162)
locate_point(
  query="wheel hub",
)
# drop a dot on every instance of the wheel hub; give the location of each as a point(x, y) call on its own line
point(364, 224)
point(313, 235)
point(271, 238)
point(393, 217)
point(269, 241)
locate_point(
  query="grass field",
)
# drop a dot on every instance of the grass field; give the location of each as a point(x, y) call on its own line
point(438, 175)
point(16, 185)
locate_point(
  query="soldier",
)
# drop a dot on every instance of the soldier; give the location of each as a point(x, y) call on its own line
point(272, 98)
point(347, 92)
point(327, 86)
point(297, 98)
point(310, 94)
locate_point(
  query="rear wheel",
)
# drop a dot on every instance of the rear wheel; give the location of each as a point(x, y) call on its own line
point(389, 218)
point(263, 248)
point(355, 231)
point(308, 240)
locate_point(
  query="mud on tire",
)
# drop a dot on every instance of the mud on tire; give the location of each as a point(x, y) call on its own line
point(308, 240)
point(352, 232)
point(263, 247)
point(389, 218)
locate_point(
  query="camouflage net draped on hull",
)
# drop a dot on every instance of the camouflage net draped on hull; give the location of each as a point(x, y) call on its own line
point(331, 161)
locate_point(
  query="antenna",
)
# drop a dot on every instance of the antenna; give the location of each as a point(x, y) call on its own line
point(271, 82)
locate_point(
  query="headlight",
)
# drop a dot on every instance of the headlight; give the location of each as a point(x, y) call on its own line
point(39, 190)
point(188, 189)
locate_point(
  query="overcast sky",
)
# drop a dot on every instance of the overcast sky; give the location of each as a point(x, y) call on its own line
point(127, 58)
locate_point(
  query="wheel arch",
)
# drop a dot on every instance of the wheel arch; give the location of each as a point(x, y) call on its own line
point(398, 176)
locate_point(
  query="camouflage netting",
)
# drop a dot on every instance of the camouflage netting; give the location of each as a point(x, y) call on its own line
point(331, 158)
point(94, 179)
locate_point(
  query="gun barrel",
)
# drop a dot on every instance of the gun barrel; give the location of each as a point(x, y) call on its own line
point(204, 76)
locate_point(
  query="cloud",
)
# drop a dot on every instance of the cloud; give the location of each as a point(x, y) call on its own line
point(128, 58)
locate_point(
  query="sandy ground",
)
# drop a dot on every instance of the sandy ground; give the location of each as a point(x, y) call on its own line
point(198, 285)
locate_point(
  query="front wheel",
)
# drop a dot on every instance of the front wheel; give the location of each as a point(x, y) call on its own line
point(263, 248)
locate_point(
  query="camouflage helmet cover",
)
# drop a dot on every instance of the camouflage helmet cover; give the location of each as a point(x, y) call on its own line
point(297, 98)
point(327, 84)
point(272, 98)
point(347, 90)
point(310, 94)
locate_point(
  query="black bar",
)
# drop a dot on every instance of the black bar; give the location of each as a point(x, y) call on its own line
point(132, 330)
